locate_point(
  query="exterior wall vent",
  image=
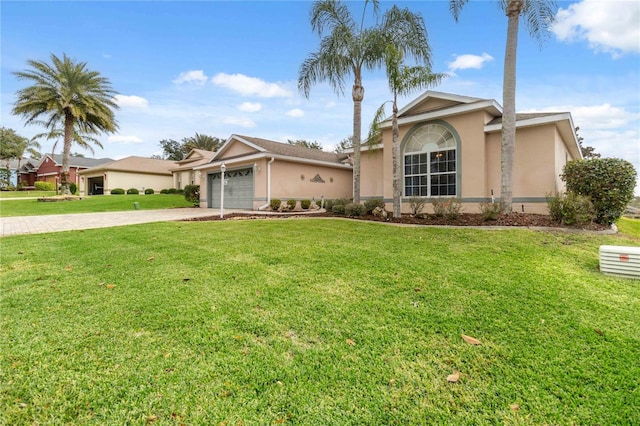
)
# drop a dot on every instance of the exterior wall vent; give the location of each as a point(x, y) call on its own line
point(620, 261)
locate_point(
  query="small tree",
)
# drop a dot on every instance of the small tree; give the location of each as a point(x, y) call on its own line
point(609, 182)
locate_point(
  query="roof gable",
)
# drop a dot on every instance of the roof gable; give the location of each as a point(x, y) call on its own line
point(74, 161)
point(433, 101)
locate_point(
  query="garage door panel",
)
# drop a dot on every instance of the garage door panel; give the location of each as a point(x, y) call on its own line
point(238, 189)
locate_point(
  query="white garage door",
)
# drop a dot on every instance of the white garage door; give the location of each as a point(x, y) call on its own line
point(238, 189)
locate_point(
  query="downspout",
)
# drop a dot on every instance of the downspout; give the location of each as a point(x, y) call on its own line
point(268, 184)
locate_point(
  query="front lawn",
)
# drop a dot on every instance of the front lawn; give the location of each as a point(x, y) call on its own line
point(311, 321)
point(97, 203)
point(25, 194)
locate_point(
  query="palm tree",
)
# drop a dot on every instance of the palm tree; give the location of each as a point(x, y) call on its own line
point(539, 15)
point(205, 142)
point(348, 48)
point(66, 94)
point(402, 81)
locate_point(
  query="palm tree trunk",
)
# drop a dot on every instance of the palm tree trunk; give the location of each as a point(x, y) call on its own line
point(66, 154)
point(514, 7)
point(357, 94)
point(397, 194)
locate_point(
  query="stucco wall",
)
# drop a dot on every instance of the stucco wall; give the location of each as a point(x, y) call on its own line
point(539, 158)
point(184, 178)
point(372, 174)
point(126, 180)
point(289, 180)
point(237, 149)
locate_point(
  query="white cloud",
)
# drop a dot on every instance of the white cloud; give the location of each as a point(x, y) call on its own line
point(251, 86)
point(604, 116)
point(296, 112)
point(250, 106)
point(330, 104)
point(609, 26)
point(194, 76)
point(130, 101)
point(239, 121)
point(124, 139)
point(463, 62)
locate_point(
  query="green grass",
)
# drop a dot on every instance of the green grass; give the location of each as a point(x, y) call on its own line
point(315, 322)
point(628, 226)
point(24, 194)
point(99, 203)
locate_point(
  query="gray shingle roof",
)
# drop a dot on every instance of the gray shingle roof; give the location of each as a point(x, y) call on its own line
point(524, 116)
point(296, 151)
point(83, 162)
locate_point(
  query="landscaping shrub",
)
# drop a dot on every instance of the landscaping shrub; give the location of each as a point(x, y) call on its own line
point(338, 209)
point(490, 211)
point(448, 208)
point(571, 209)
point(180, 191)
point(164, 191)
point(609, 182)
point(172, 191)
point(132, 191)
point(275, 204)
point(371, 204)
point(354, 210)
point(44, 186)
point(305, 204)
point(73, 187)
point(192, 193)
point(416, 204)
point(328, 205)
point(117, 191)
point(149, 191)
point(291, 204)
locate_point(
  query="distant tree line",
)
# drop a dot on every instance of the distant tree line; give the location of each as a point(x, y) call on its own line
point(176, 151)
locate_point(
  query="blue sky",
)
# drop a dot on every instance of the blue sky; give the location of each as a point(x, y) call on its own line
point(219, 68)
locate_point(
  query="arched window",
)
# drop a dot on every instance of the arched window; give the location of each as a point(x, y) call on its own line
point(429, 155)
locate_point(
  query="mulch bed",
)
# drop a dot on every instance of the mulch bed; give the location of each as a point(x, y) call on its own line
point(464, 219)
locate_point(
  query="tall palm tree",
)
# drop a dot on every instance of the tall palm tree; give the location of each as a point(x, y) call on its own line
point(346, 49)
point(206, 142)
point(65, 93)
point(402, 81)
point(539, 15)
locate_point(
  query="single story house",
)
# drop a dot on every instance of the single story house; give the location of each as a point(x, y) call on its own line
point(184, 174)
point(130, 172)
point(450, 148)
point(259, 170)
point(21, 171)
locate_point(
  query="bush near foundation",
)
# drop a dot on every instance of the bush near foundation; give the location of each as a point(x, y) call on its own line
point(275, 204)
point(117, 191)
point(570, 209)
point(133, 191)
point(291, 204)
point(371, 204)
point(608, 182)
point(149, 191)
point(305, 204)
point(192, 193)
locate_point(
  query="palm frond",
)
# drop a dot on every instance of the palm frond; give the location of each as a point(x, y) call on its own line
point(375, 133)
point(455, 7)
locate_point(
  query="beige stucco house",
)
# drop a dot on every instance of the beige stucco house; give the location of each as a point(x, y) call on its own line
point(130, 172)
point(185, 174)
point(258, 170)
point(450, 147)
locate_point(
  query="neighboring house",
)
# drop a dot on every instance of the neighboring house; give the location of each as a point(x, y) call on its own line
point(258, 170)
point(450, 148)
point(50, 167)
point(130, 172)
point(21, 171)
point(184, 174)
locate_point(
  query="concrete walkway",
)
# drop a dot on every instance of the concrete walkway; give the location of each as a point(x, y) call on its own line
point(71, 222)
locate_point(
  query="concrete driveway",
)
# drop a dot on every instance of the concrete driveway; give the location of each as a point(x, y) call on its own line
point(70, 222)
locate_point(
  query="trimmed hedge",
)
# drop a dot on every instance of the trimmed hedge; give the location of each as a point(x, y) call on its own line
point(132, 191)
point(149, 191)
point(44, 186)
point(117, 191)
point(192, 193)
